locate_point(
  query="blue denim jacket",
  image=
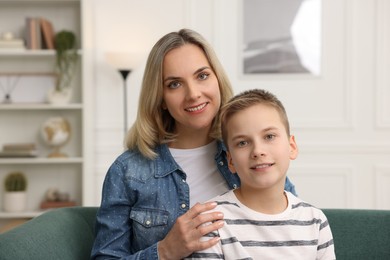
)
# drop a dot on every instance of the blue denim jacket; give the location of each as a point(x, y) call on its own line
point(141, 201)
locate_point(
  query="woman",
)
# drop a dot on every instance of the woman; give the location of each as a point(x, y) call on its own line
point(175, 158)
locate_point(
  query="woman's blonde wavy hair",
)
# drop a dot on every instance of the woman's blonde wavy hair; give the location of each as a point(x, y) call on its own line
point(154, 125)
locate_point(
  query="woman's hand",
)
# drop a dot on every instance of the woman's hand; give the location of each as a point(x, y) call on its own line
point(184, 237)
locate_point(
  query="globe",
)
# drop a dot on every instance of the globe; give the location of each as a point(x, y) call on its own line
point(55, 132)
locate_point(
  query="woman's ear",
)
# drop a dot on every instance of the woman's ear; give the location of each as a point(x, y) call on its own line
point(231, 166)
point(163, 105)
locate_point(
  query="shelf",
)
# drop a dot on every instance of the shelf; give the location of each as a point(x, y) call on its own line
point(43, 106)
point(38, 1)
point(30, 53)
point(25, 214)
point(41, 160)
point(26, 53)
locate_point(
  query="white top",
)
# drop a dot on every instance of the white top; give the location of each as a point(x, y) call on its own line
point(203, 177)
point(300, 232)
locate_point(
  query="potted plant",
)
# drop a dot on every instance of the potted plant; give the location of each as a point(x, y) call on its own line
point(15, 197)
point(65, 65)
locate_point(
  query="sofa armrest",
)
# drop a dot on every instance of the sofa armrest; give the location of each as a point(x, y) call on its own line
point(65, 233)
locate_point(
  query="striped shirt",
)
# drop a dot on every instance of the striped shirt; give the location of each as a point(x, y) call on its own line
point(299, 232)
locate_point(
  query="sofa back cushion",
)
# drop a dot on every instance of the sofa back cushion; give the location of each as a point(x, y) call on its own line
point(360, 234)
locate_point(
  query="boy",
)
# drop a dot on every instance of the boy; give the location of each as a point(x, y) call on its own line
point(262, 220)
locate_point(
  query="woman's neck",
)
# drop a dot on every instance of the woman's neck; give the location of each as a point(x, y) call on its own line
point(193, 139)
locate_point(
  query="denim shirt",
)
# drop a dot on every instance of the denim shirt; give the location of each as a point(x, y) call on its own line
point(141, 200)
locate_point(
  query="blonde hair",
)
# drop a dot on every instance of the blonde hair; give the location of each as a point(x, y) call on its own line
point(247, 99)
point(154, 125)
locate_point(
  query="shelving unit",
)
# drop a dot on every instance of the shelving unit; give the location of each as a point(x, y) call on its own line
point(21, 121)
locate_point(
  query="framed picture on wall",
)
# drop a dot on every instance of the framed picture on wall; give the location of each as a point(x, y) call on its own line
point(281, 36)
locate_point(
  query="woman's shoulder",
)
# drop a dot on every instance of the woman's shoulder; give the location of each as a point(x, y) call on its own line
point(133, 162)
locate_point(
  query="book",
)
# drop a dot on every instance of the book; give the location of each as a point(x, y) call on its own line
point(19, 147)
point(27, 33)
point(12, 44)
point(47, 34)
point(11, 150)
point(57, 204)
point(17, 154)
point(33, 33)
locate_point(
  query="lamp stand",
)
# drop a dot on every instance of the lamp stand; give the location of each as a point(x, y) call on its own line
point(124, 73)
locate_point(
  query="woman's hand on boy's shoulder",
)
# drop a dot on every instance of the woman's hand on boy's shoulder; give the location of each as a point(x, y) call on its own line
point(185, 236)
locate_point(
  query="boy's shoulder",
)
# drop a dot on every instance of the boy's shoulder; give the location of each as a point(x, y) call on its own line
point(299, 205)
point(226, 199)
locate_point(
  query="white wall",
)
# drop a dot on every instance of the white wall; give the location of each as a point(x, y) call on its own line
point(341, 119)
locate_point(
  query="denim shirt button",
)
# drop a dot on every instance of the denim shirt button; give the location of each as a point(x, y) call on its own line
point(148, 222)
point(234, 186)
point(183, 180)
point(221, 163)
point(183, 206)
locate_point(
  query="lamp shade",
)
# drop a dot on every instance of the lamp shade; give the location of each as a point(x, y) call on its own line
point(124, 60)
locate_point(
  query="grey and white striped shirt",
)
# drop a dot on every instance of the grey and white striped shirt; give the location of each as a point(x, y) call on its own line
point(299, 232)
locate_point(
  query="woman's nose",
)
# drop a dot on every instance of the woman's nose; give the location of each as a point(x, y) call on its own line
point(193, 91)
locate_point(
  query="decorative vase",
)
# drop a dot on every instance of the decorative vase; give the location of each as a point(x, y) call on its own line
point(59, 97)
point(15, 201)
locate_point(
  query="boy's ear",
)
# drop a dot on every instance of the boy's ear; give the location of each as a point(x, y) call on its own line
point(293, 148)
point(230, 163)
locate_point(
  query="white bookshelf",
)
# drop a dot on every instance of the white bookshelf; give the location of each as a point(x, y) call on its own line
point(21, 121)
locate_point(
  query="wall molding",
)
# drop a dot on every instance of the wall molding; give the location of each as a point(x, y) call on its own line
point(382, 64)
point(382, 183)
point(351, 149)
point(345, 174)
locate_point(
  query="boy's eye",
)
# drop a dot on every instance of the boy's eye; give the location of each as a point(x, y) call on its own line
point(270, 137)
point(174, 84)
point(242, 143)
point(203, 75)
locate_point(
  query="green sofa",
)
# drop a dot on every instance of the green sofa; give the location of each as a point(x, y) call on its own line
point(68, 233)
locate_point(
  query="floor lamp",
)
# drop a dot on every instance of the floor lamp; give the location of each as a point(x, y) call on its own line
point(124, 73)
point(124, 63)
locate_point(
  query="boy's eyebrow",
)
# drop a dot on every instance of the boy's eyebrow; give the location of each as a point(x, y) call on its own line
point(196, 72)
point(271, 128)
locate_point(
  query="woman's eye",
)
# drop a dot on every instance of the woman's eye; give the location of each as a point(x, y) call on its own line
point(203, 76)
point(174, 84)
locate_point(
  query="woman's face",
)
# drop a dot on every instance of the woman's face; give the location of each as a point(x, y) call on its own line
point(191, 92)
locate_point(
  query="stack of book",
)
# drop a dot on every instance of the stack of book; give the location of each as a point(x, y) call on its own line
point(19, 150)
point(39, 33)
point(12, 44)
point(8, 41)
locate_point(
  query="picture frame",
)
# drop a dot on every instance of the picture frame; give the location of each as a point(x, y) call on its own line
point(281, 37)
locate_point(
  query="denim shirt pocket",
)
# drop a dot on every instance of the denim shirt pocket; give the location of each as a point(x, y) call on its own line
point(149, 225)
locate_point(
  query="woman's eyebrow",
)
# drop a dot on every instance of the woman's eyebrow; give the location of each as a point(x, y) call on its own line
point(201, 69)
point(171, 78)
point(177, 78)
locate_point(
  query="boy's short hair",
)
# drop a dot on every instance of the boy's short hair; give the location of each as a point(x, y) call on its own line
point(247, 99)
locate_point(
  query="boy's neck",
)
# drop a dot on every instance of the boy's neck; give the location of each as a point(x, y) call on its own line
point(266, 201)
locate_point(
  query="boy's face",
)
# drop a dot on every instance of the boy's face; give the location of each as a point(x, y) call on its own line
point(259, 148)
